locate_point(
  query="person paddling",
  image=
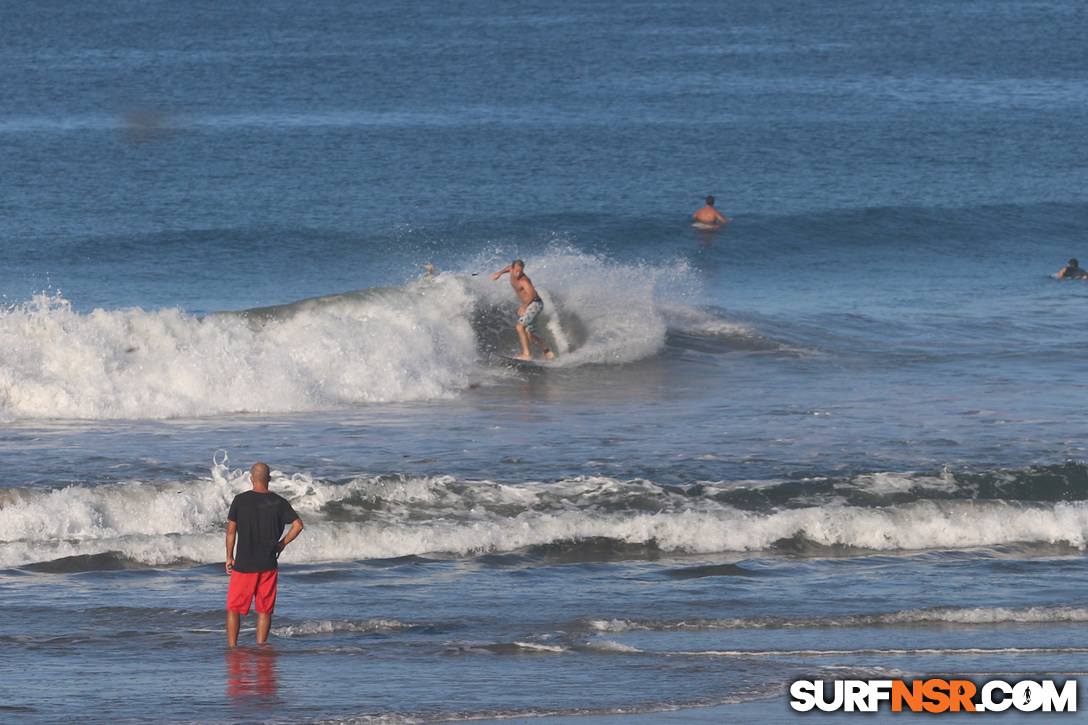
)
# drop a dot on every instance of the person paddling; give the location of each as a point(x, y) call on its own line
point(1073, 270)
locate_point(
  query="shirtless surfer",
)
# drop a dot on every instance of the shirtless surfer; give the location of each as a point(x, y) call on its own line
point(531, 305)
point(708, 216)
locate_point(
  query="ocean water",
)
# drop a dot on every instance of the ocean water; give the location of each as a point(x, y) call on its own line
point(844, 436)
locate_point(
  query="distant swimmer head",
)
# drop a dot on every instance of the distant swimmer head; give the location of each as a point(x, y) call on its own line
point(1073, 263)
point(710, 201)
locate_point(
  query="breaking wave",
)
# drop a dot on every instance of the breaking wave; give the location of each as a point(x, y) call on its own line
point(180, 523)
point(425, 340)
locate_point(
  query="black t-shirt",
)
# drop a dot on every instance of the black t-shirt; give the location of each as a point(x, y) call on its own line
point(261, 518)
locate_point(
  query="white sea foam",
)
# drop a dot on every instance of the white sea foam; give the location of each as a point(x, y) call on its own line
point(420, 341)
point(609, 647)
point(55, 363)
point(539, 647)
point(389, 517)
point(325, 626)
point(909, 617)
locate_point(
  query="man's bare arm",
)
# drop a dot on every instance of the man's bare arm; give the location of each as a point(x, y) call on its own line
point(296, 529)
point(232, 533)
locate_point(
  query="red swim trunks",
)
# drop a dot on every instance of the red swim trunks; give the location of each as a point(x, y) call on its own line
point(244, 587)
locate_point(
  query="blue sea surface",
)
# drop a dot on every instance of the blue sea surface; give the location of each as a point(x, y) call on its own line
point(841, 437)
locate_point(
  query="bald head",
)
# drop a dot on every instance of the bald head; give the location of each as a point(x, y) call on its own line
point(260, 475)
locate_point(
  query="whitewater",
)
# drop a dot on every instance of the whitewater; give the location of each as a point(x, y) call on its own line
point(392, 516)
point(424, 340)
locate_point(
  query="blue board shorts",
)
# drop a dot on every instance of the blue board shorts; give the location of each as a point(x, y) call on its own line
point(531, 313)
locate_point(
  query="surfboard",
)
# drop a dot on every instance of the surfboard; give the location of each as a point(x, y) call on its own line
point(519, 364)
point(704, 225)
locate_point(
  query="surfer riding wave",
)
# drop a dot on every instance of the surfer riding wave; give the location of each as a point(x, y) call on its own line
point(530, 308)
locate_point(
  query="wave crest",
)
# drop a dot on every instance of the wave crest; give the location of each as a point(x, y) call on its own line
point(582, 519)
point(424, 340)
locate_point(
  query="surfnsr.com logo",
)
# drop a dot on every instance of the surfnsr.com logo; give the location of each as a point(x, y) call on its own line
point(934, 695)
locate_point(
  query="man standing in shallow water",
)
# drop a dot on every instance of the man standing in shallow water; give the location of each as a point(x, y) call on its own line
point(256, 520)
point(531, 305)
